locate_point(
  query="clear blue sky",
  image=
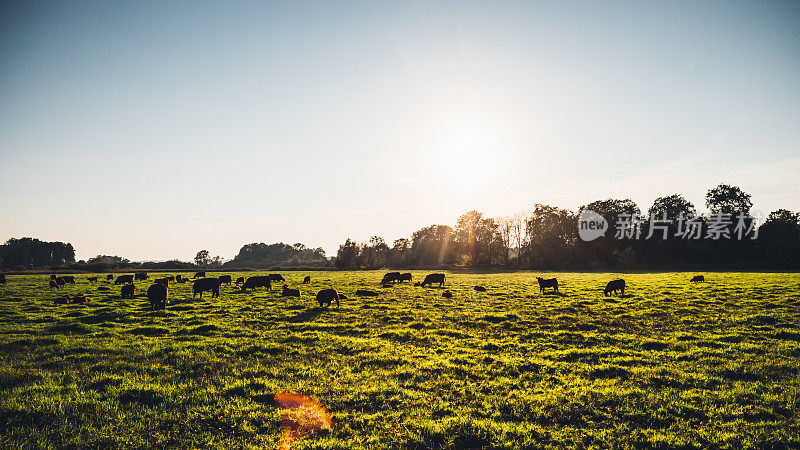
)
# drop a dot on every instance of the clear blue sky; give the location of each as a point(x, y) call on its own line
point(152, 130)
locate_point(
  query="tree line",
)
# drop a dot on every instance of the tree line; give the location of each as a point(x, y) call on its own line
point(546, 237)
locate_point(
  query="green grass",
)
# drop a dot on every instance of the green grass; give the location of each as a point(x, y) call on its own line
point(670, 364)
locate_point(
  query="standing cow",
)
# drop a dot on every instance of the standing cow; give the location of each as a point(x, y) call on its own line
point(157, 294)
point(206, 284)
point(225, 279)
point(549, 283)
point(433, 279)
point(256, 282)
point(326, 297)
point(307, 279)
point(124, 279)
point(276, 277)
point(141, 276)
point(127, 291)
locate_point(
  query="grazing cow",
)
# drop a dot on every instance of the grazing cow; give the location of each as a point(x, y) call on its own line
point(366, 293)
point(79, 298)
point(614, 286)
point(276, 277)
point(698, 278)
point(157, 294)
point(60, 281)
point(447, 294)
point(480, 288)
point(225, 279)
point(290, 292)
point(433, 279)
point(326, 297)
point(199, 275)
point(52, 277)
point(127, 291)
point(180, 278)
point(68, 279)
point(63, 300)
point(206, 284)
point(109, 277)
point(240, 280)
point(405, 277)
point(54, 284)
point(141, 275)
point(2, 278)
point(162, 281)
point(390, 277)
point(171, 278)
point(92, 279)
point(257, 282)
point(307, 279)
point(104, 288)
point(543, 284)
point(124, 279)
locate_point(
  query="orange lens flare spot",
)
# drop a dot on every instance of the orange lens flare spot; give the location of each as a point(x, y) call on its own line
point(301, 416)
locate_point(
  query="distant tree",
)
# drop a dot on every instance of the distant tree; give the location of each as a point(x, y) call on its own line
point(202, 258)
point(347, 255)
point(551, 234)
point(671, 207)
point(476, 238)
point(505, 229)
point(104, 259)
point(431, 246)
point(261, 255)
point(400, 253)
point(728, 199)
point(779, 236)
point(33, 253)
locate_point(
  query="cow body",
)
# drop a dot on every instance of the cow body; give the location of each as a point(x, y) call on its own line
point(405, 277)
point(290, 292)
point(123, 279)
point(92, 279)
point(157, 294)
point(225, 279)
point(391, 277)
point(549, 283)
point(433, 279)
point(366, 293)
point(109, 277)
point(697, 278)
point(206, 284)
point(127, 291)
point(614, 286)
point(68, 279)
point(256, 282)
point(326, 297)
point(199, 275)
point(307, 279)
point(276, 277)
point(447, 294)
point(479, 289)
point(240, 280)
point(141, 276)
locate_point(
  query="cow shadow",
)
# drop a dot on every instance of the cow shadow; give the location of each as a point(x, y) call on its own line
point(554, 294)
point(307, 315)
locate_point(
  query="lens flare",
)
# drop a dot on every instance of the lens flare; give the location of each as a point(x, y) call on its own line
point(301, 417)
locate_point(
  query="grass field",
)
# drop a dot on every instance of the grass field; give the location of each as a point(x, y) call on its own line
point(670, 364)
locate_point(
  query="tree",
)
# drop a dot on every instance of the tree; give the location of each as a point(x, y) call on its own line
point(476, 238)
point(32, 253)
point(400, 253)
point(347, 255)
point(779, 236)
point(202, 258)
point(261, 255)
point(505, 228)
point(728, 199)
point(431, 246)
point(671, 207)
point(551, 233)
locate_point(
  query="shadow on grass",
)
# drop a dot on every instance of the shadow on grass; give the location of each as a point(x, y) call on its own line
point(307, 315)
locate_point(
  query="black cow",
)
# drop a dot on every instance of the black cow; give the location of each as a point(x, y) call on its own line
point(290, 292)
point(141, 276)
point(225, 279)
point(3, 278)
point(60, 281)
point(543, 284)
point(366, 293)
point(206, 284)
point(240, 280)
point(480, 288)
point(52, 277)
point(63, 300)
point(256, 282)
point(171, 278)
point(92, 279)
point(157, 294)
point(68, 279)
point(447, 294)
point(698, 278)
point(79, 298)
point(127, 291)
point(123, 279)
point(326, 297)
point(307, 279)
point(614, 286)
point(180, 278)
point(199, 275)
point(390, 277)
point(109, 277)
point(433, 279)
point(405, 277)
point(162, 281)
point(276, 277)
point(54, 284)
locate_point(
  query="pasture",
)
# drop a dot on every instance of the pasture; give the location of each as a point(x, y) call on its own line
point(670, 363)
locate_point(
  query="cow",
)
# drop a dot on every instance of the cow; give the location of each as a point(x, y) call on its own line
point(479, 289)
point(239, 281)
point(124, 279)
point(256, 282)
point(79, 298)
point(433, 279)
point(326, 297)
point(109, 277)
point(614, 286)
point(63, 300)
point(162, 281)
point(92, 279)
point(199, 275)
point(60, 281)
point(157, 294)
point(180, 278)
point(290, 292)
point(68, 279)
point(2, 278)
point(53, 277)
point(141, 276)
point(225, 279)
point(366, 293)
point(307, 279)
point(171, 278)
point(276, 277)
point(391, 277)
point(54, 284)
point(698, 278)
point(550, 282)
point(127, 291)
point(206, 284)
point(447, 294)
point(405, 277)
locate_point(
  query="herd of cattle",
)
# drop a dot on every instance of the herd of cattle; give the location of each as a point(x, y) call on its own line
point(157, 293)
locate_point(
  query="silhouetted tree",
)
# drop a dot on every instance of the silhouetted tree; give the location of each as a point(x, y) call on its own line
point(202, 258)
point(347, 255)
point(32, 253)
point(476, 238)
point(728, 199)
point(431, 246)
point(551, 234)
point(779, 237)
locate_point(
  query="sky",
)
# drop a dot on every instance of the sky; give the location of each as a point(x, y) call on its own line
point(152, 130)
